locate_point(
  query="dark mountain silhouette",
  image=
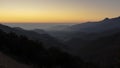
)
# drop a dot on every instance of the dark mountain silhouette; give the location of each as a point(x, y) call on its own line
point(97, 41)
point(103, 50)
point(32, 53)
point(89, 30)
point(92, 31)
point(44, 37)
point(94, 41)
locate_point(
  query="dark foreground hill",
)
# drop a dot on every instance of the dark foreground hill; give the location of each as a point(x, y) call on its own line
point(33, 54)
point(8, 62)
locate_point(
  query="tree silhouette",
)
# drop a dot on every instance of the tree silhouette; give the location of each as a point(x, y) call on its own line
point(32, 52)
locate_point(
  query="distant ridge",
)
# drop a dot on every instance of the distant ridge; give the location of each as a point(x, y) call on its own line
point(48, 40)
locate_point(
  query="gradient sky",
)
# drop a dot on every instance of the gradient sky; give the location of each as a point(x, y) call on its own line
point(59, 11)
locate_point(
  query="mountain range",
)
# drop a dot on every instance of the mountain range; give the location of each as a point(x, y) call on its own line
point(96, 42)
point(93, 41)
point(41, 36)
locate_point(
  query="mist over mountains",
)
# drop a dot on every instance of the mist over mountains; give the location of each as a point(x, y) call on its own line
point(97, 44)
point(92, 41)
point(45, 26)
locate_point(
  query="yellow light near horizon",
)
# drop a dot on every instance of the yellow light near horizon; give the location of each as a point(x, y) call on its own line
point(20, 15)
point(27, 15)
point(44, 16)
point(69, 11)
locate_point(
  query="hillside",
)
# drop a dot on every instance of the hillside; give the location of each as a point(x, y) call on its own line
point(44, 37)
point(7, 62)
point(29, 52)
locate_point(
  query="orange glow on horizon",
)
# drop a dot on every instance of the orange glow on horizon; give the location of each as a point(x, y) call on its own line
point(56, 11)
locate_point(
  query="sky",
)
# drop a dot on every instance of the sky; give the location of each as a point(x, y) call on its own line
point(57, 11)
